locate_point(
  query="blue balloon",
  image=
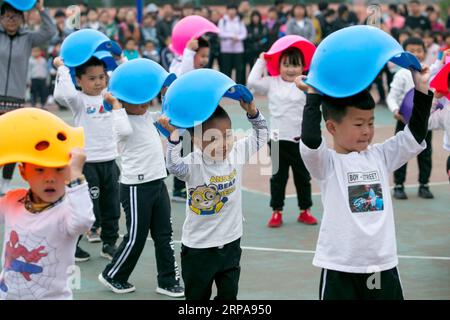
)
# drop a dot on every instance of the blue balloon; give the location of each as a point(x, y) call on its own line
point(80, 45)
point(348, 60)
point(139, 81)
point(193, 97)
point(22, 5)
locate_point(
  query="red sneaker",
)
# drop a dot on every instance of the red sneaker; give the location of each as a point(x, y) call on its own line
point(276, 220)
point(306, 217)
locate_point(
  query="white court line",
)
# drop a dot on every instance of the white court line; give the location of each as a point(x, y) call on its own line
point(312, 252)
point(318, 193)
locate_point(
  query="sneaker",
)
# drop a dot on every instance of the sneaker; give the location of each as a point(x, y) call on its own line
point(306, 217)
point(424, 192)
point(93, 235)
point(176, 291)
point(179, 195)
point(399, 192)
point(116, 286)
point(276, 220)
point(108, 251)
point(81, 255)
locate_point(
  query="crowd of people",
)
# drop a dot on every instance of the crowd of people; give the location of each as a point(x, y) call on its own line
point(255, 29)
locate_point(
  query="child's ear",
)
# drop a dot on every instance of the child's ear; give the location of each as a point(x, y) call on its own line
point(22, 171)
point(77, 80)
point(331, 127)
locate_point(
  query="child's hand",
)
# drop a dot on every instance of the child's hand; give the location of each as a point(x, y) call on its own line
point(77, 160)
point(108, 97)
point(421, 79)
point(398, 116)
point(250, 107)
point(299, 82)
point(261, 56)
point(58, 62)
point(193, 44)
point(164, 121)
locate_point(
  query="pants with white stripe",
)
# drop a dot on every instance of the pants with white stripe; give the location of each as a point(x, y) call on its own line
point(337, 285)
point(147, 207)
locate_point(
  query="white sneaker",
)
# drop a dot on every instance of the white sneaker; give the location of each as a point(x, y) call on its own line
point(93, 235)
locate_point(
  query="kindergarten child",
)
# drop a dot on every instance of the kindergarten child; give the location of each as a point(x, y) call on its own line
point(355, 243)
point(212, 230)
point(195, 56)
point(400, 86)
point(43, 223)
point(101, 170)
point(286, 105)
point(143, 193)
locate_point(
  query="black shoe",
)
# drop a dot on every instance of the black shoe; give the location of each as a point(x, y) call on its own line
point(399, 192)
point(424, 192)
point(175, 291)
point(81, 255)
point(179, 195)
point(116, 286)
point(108, 251)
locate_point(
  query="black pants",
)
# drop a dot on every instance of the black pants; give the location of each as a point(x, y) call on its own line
point(147, 207)
point(230, 61)
point(103, 181)
point(201, 267)
point(423, 160)
point(38, 91)
point(289, 156)
point(336, 285)
point(8, 171)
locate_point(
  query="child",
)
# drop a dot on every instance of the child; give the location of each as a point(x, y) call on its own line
point(195, 56)
point(101, 171)
point(43, 223)
point(286, 104)
point(38, 74)
point(131, 52)
point(354, 243)
point(144, 198)
point(149, 51)
point(400, 86)
point(212, 230)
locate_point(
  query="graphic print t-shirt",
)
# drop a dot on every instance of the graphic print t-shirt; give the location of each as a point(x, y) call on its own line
point(357, 232)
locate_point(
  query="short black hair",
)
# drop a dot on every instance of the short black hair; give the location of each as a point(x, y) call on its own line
point(293, 56)
point(92, 62)
point(232, 6)
point(336, 108)
point(323, 5)
point(393, 7)
point(7, 7)
point(414, 41)
point(218, 114)
point(203, 43)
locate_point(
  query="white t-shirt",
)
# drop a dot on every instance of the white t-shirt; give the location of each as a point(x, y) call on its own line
point(39, 249)
point(140, 148)
point(357, 233)
point(286, 103)
point(214, 203)
point(89, 113)
point(183, 64)
point(440, 119)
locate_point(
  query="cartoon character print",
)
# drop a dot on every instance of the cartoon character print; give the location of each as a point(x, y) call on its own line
point(26, 267)
point(206, 199)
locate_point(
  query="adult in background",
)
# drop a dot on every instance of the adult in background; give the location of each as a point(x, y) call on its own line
point(16, 43)
point(273, 26)
point(257, 36)
point(165, 25)
point(232, 33)
point(299, 24)
point(416, 19)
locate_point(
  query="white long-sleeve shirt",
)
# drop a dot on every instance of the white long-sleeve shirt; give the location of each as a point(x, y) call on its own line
point(89, 113)
point(401, 84)
point(214, 203)
point(140, 148)
point(39, 249)
point(286, 103)
point(183, 64)
point(440, 119)
point(357, 233)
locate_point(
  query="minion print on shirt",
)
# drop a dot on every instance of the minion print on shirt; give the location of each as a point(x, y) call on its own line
point(210, 199)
